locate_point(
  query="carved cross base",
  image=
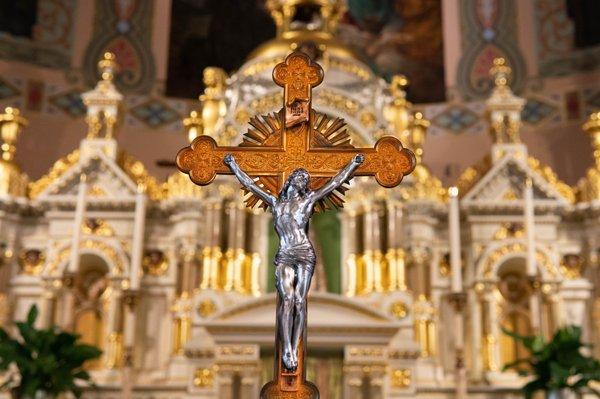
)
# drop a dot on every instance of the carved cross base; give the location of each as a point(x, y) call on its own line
point(287, 384)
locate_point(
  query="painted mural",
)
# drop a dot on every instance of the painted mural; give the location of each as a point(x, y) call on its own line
point(400, 37)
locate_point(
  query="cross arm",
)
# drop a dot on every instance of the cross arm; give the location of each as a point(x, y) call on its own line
point(387, 161)
point(203, 160)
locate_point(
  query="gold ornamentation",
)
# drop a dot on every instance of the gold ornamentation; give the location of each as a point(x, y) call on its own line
point(509, 230)
point(204, 377)
point(398, 112)
point(96, 191)
point(111, 254)
point(97, 227)
point(551, 178)
point(32, 261)
point(11, 125)
point(103, 101)
point(283, 12)
point(424, 186)
point(242, 116)
point(401, 378)
point(12, 180)
point(504, 108)
point(261, 66)
point(213, 100)
point(114, 352)
point(489, 349)
point(572, 266)
point(266, 103)
point(472, 175)
point(510, 195)
point(399, 309)
point(542, 258)
point(237, 350)
point(206, 308)
point(589, 186)
point(444, 266)
point(155, 263)
point(351, 68)
point(368, 119)
point(178, 185)
point(57, 170)
point(193, 124)
point(139, 174)
point(338, 101)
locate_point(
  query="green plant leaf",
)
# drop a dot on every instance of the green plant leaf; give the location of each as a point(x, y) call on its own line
point(48, 359)
point(32, 315)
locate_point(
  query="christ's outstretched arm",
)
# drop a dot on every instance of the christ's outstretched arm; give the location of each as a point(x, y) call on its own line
point(338, 179)
point(247, 181)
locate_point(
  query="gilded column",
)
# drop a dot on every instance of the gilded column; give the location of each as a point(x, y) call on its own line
point(379, 270)
point(241, 272)
point(228, 266)
point(217, 278)
point(207, 273)
point(114, 344)
point(391, 255)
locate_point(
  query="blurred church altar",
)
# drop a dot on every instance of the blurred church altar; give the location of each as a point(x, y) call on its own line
point(174, 282)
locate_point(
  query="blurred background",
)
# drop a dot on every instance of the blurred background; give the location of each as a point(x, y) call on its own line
point(497, 228)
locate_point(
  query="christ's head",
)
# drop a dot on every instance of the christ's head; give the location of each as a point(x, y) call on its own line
point(296, 184)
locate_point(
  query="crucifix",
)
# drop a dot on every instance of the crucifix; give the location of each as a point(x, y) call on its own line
point(295, 162)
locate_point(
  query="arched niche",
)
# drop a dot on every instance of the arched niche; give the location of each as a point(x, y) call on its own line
point(91, 290)
point(515, 292)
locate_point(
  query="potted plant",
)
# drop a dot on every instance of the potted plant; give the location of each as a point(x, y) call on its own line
point(43, 363)
point(558, 367)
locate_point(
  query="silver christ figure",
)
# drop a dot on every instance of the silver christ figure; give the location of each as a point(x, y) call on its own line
point(295, 259)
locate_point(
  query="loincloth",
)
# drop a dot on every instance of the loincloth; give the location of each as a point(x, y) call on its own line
point(302, 255)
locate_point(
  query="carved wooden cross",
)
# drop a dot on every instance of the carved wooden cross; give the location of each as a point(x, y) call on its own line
point(296, 137)
point(305, 140)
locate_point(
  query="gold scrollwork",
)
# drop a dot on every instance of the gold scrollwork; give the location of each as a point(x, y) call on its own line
point(542, 258)
point(57, 170)
point(401, 378)
point(97, 227)
point(155, 263)
point(93, 245)
point(399, 309)
point(204, 377)
point(32, 261)
point(207, 307)
point(572, 266)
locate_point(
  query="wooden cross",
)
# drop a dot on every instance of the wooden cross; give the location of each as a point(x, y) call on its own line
point(296, 137)
point(275, 148)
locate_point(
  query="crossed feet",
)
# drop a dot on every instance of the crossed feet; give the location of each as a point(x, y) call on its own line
point(290, 359)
